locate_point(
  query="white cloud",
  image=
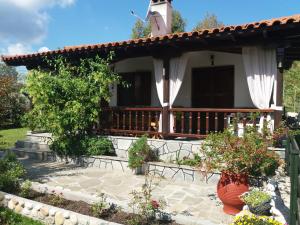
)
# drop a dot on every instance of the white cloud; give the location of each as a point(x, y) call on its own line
point(18, 49)
point(24, 23)
point(44, 49)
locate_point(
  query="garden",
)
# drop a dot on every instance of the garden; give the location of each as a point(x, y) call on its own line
point(67, 103)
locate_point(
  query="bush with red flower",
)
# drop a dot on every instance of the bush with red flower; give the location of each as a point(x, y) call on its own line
point(144, 207)
point(248, 154)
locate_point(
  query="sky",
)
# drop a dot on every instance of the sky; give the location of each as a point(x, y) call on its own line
point(28, 26)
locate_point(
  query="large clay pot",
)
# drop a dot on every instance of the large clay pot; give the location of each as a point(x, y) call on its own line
point(230, 187)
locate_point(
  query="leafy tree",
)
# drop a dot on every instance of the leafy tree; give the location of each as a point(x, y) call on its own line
point(12, 104)
point(141, 29)
point(292, 88)
point(66, 100)
point(209, 21)
point(178, 23)
point(8, 70)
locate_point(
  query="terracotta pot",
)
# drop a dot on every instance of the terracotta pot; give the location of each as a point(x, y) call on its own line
point(230, 187)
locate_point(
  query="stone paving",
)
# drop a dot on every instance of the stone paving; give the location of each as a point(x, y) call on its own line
point(182, 198)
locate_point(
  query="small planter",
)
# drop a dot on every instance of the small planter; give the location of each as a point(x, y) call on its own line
point(141, 170)
point(229, 189)
point(261, 210)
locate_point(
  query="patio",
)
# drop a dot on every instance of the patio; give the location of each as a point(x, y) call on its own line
point(192, 203)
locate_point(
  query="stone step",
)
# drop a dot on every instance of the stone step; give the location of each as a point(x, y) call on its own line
point(41, 155)
point(43, 138)
point(32, 145)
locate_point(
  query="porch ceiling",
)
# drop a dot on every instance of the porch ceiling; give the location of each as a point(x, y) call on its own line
point(282, 32)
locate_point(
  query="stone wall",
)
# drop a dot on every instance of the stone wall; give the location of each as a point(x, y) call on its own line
point(47, 214)
point(182, 173)
point(168, 150)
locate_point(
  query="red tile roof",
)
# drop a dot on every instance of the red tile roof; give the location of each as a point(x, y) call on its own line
point(295, 19)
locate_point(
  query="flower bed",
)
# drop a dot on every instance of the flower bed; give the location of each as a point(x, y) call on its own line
point(55, 209)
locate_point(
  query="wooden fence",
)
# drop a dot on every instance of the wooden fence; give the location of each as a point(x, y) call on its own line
point(293, 167)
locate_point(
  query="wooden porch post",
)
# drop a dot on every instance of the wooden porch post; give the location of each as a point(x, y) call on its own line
point(279, 89)
point(166, 94)
point(279, 98)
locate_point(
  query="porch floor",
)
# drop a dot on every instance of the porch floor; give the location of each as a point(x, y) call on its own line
point(193, 201)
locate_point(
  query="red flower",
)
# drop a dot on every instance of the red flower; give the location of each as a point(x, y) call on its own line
point(154, 204)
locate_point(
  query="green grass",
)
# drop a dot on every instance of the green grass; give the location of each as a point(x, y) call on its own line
point(9, 137)
point(8, 217)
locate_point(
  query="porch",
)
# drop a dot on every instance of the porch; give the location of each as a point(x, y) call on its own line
point(213, 95)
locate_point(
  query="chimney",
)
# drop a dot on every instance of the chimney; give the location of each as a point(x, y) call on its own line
point(160, 17)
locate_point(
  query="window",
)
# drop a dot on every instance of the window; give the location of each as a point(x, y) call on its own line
point(139, 91)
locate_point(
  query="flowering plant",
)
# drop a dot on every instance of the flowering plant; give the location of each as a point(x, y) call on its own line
point(239, 155)
point(254, 220)
point(155, 205)
point(143, 206)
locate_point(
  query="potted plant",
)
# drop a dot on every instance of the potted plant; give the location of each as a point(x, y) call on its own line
point(140, 153)
point(259, 202)
point(237, 158)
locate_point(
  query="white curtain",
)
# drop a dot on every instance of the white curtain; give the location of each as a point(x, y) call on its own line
point(158, 71)
point(177, 71)
point(261, 68)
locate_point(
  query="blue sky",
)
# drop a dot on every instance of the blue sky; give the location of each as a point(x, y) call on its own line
point(32, 24)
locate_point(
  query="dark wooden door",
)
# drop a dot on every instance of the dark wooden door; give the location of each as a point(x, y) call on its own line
point(213, 87)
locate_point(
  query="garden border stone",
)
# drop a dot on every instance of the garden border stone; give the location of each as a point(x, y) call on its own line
point(56, 216)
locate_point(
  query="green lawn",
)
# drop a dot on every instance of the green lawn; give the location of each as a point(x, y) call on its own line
point(9, 137)
point(8, 217)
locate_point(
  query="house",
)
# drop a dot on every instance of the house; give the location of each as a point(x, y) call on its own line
point(192, 83)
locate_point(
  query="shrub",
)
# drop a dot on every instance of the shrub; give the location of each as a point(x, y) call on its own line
point(25, 189)
point(195, 161)
point(139, 153)
point(66, 99)
point(99, 207)
point(144, 207)
point(11, 172)
point(254, 220)
point(248, 154)
point(99, 146)
point(256, 197)
point(56, 199)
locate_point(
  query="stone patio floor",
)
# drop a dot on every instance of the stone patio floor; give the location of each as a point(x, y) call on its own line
point(182, 198)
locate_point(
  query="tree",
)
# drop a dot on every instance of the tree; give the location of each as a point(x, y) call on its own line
point(66, 100)
point(178, 23)
point(8, 70)
point(209, 21)
point(291, 93)
point(142, 29)
point(12, 103)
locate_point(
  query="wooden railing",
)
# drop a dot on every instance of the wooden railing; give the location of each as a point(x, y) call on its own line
point(199, 122)
point(130, 121)
point(187, 122)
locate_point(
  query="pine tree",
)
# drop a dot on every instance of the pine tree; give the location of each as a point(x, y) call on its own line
point(209, 21)
point(142, 29)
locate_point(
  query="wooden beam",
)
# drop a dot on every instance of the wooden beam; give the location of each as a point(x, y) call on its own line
point(279, 99)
